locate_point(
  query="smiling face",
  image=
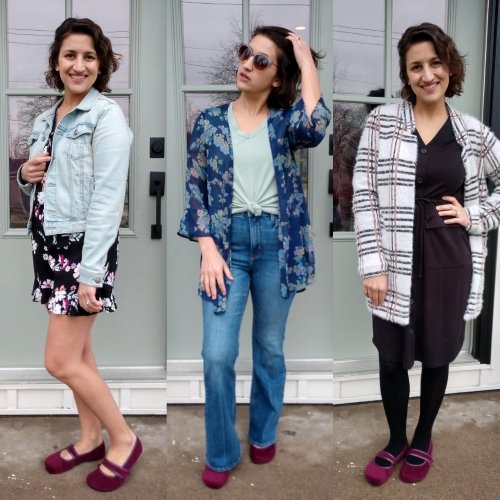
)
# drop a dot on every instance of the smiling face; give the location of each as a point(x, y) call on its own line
point(249, 79)
point(427, 76)
point(78, 66)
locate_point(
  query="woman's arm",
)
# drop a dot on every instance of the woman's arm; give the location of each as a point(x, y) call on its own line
point(195, 221)
point(486, 216)
point(310, 88)
point(111, 153)
point(365, 202)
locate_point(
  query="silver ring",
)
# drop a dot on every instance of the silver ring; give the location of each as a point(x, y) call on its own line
point(87, 303)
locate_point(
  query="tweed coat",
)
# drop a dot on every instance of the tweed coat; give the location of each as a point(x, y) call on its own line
point(209, 188)
point(384, 202)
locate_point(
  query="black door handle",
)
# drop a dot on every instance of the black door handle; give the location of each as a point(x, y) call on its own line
point(157, 189)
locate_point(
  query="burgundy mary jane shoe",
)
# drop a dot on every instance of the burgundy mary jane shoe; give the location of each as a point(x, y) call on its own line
point(100, 481)
point(378, 474)
point(411, 473)
point(55, 464)
point(214, 479)
point(262, 455)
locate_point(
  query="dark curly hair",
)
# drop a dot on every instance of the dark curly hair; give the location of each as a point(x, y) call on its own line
point(446, 50)
point(288, 71)
point(108, 60)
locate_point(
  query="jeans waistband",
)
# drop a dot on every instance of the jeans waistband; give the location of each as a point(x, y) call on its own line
point(250, 215)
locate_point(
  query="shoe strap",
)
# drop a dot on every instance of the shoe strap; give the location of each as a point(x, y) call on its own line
point(387, 456)
point(72, 451)
point(116, 469)
point(414, 452)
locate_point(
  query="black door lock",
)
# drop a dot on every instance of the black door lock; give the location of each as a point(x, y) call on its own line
point(157, 189)
point(157, 147)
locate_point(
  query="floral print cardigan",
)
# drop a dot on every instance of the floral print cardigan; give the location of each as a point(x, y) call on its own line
point(209, 188)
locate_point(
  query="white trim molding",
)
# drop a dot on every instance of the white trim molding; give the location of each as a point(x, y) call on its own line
point(308, 381)
point(357, 381)
point(318, 381)
point(30, 391)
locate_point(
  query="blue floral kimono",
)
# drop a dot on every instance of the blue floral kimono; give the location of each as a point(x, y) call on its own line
point(209, 188)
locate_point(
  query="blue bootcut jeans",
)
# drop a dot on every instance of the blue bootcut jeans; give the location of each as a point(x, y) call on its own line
point(255, 268)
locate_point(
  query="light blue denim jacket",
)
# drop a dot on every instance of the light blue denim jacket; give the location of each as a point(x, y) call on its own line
point(86, 178)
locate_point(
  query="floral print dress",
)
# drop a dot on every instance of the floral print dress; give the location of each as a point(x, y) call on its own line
point(56, 262)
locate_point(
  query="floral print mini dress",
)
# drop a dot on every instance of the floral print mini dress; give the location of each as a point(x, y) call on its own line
point(56, 263)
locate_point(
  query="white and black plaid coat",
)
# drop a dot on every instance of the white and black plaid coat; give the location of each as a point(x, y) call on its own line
point(384, 201)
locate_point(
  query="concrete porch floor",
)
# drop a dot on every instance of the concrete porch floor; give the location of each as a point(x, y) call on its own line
point(322, 453)
point(25, 441)
point(302, 467)
point(466, 451)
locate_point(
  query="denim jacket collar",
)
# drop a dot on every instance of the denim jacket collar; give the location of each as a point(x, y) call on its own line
point(86, 104)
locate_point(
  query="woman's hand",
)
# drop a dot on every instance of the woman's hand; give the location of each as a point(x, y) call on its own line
point(213, 268)
point(454, 210)
point(309, 82)
point(375, 288)
point(33, 170)
point(87, 300)
point(301, 51)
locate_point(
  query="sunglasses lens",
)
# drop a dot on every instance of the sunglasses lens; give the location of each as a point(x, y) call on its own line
point(244, 53)
point(261, 62)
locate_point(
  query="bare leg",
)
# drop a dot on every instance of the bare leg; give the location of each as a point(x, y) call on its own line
point(90, 426)
point(67, 338)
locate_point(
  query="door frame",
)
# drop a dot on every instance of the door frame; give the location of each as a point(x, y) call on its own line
point(30, 390)
point(308, 380)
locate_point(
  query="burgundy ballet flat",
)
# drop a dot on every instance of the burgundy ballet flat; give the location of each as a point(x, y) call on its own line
point(377, 474)
point(99, 481)
point(411, 473)
point(55, 464)
point(214, 479)
point(262, 455)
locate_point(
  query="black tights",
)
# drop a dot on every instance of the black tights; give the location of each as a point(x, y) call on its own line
point(395, 390)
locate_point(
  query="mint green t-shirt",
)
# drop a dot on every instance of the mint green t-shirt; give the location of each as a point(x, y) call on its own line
point(254, 187)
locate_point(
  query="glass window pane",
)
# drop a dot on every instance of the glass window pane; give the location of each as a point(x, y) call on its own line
point(195, 103)
point(22, 113)
point(124, 103)
point(358, 46)
point(406, 14)
point(211, 34)
point(114, 20)
point(30, 31)
point(347, 128)
point(290, 14)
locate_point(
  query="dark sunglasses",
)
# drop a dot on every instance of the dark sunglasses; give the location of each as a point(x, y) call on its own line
point(260, 61)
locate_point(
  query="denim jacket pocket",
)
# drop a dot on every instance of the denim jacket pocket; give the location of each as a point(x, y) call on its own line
point(78, 141)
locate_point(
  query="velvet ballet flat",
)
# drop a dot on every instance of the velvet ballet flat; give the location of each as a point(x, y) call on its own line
point(411, 473)
point(377, 474)
point(100, 481)
point(55, 464)
point(214, 479)
point(262, 455)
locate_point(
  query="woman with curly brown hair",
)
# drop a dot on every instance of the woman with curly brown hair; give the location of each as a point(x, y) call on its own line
point(422, 211)
point(246, 208)
point(76, 177)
